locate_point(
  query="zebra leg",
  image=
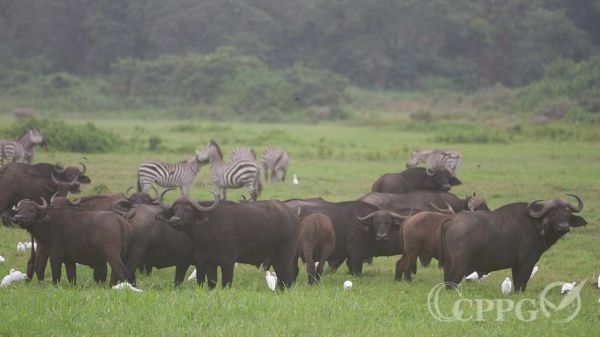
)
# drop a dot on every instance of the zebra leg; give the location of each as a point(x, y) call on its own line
point(224, 193)
point(185, 190)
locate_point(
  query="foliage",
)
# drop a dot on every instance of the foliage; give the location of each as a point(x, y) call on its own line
point(61, 136)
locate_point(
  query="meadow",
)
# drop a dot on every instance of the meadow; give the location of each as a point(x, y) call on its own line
point(337, 162)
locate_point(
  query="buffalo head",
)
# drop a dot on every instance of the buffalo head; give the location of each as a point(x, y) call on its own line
point(556, 214)
point(29, 212)
point(184, 212)
point(476, 203)
point(61, 201)
point(382, 222)
point(137, 198)
point(70, 177)
point(442, 179)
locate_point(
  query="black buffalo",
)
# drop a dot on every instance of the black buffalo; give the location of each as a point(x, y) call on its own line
point(359, 228)
point(416, 178)
point(248, 232)
point(512, 236)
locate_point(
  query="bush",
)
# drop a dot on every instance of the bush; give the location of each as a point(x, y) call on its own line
point(62, 136)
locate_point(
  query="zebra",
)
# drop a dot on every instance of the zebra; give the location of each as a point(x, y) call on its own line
point(242, 153)
point(168, 175)
point(234, 174)
point(275, 161)
point(436, 159)
point(21, 151)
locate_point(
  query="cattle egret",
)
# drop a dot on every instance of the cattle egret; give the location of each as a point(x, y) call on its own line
point(126, 285)
point(347, 285)
point(474, 276)
point(295, 179)
point(506, 286)
point(192, 276)
point(317, 266)
point(13, 276)
point(535, 269)
point(2, 260)
point(271, 279)
point(21, 247)
point(28, 245)
point(598, 281)
point(567, 287)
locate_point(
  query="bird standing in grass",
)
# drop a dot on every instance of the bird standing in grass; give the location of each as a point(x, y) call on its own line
point(567, 287)
point(271, 279)
point(506, 286)
point(13, 276)
point(295, 180)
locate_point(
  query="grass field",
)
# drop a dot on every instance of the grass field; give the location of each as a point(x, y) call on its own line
point(337, 162)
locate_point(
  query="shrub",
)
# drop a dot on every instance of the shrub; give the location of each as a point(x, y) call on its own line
point(62, 136)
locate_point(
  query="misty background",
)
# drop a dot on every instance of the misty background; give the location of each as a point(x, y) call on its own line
point(303, 60)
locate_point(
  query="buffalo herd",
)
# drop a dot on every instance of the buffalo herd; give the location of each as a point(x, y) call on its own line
point(411, 213)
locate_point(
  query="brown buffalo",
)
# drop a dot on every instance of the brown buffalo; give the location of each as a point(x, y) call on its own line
point(416, 178)
point(77, 236)
point(512, 236)
point(316, 243)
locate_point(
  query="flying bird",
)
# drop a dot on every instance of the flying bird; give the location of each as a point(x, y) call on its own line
point(192, 276)
point(271, 279)
point(295, 179)
point(506, 286)
point(567, 287)
point(126, 285)
point(13, 276)
point(535, 269)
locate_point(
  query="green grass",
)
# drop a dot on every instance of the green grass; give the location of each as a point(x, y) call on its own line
point(337, 162)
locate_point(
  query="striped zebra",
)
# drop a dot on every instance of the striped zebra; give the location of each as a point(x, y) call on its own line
point(242, 153)
point(436, 159)
point(168, 175)
point(233, 174)
point(275, 161)
point(21, 151)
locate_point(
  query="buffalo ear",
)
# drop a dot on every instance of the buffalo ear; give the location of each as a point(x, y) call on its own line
point(164, 216)
point(577, 221)
point(454, 181)
point(397, 222)
point(84, 180)
point(122, 206)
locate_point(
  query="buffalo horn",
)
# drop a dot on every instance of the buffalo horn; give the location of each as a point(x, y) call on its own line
point(541, 213)
point(364, 218)
point(44, 204)
point(83, 168)
point(579, 207)
point(20, 202)
point(162, 196)
point(400, 216)
point(77, 200)
point(449, 210)
point(209, 208)
point(52, 197)
point(127, 192)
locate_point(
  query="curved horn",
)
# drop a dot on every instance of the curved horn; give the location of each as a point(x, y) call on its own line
point(400, 216)
point(83, 168)
point(155, 192)
point(20, 202)
point(162, 195)
point(209, 208)
point(364, 218)
point(54, 178)
point(299, 211)
point(58, 168)
point(429, 171)
point(541, 213)
point(44, 204)
point(449, 210)
point(579, 207)
point(52, 198)
point(127, 192)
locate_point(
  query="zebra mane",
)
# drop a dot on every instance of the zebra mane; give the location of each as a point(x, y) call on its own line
point(216, 146)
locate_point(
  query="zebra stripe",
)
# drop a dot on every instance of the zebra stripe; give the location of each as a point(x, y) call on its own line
point(21, 151)
point(168, 175)
point(436, 159)
point(275, 161)
point(234, 174)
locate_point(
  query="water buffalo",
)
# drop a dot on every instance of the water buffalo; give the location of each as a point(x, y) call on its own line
point(512, 236)
point(416, 178)
point(155, 243)
point(248, 232)
point(20, 181)
point(359, 228)
point(77, 236)
point(316, 243)
point(420, 235)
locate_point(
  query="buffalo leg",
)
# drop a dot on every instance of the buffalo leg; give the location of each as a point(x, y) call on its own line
point(296, 269)
point(134, 260)
point(118, 269)
point(180, 271)
point(334, 264)
point(399, 269)
point(211, 274)
point(355, 264)
point(320, 268)
point(71, 272)
point(55, 265)
point(283, 261)
point(227, 273)
point(200, 273)
point(100, 273)
point(310, 264)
